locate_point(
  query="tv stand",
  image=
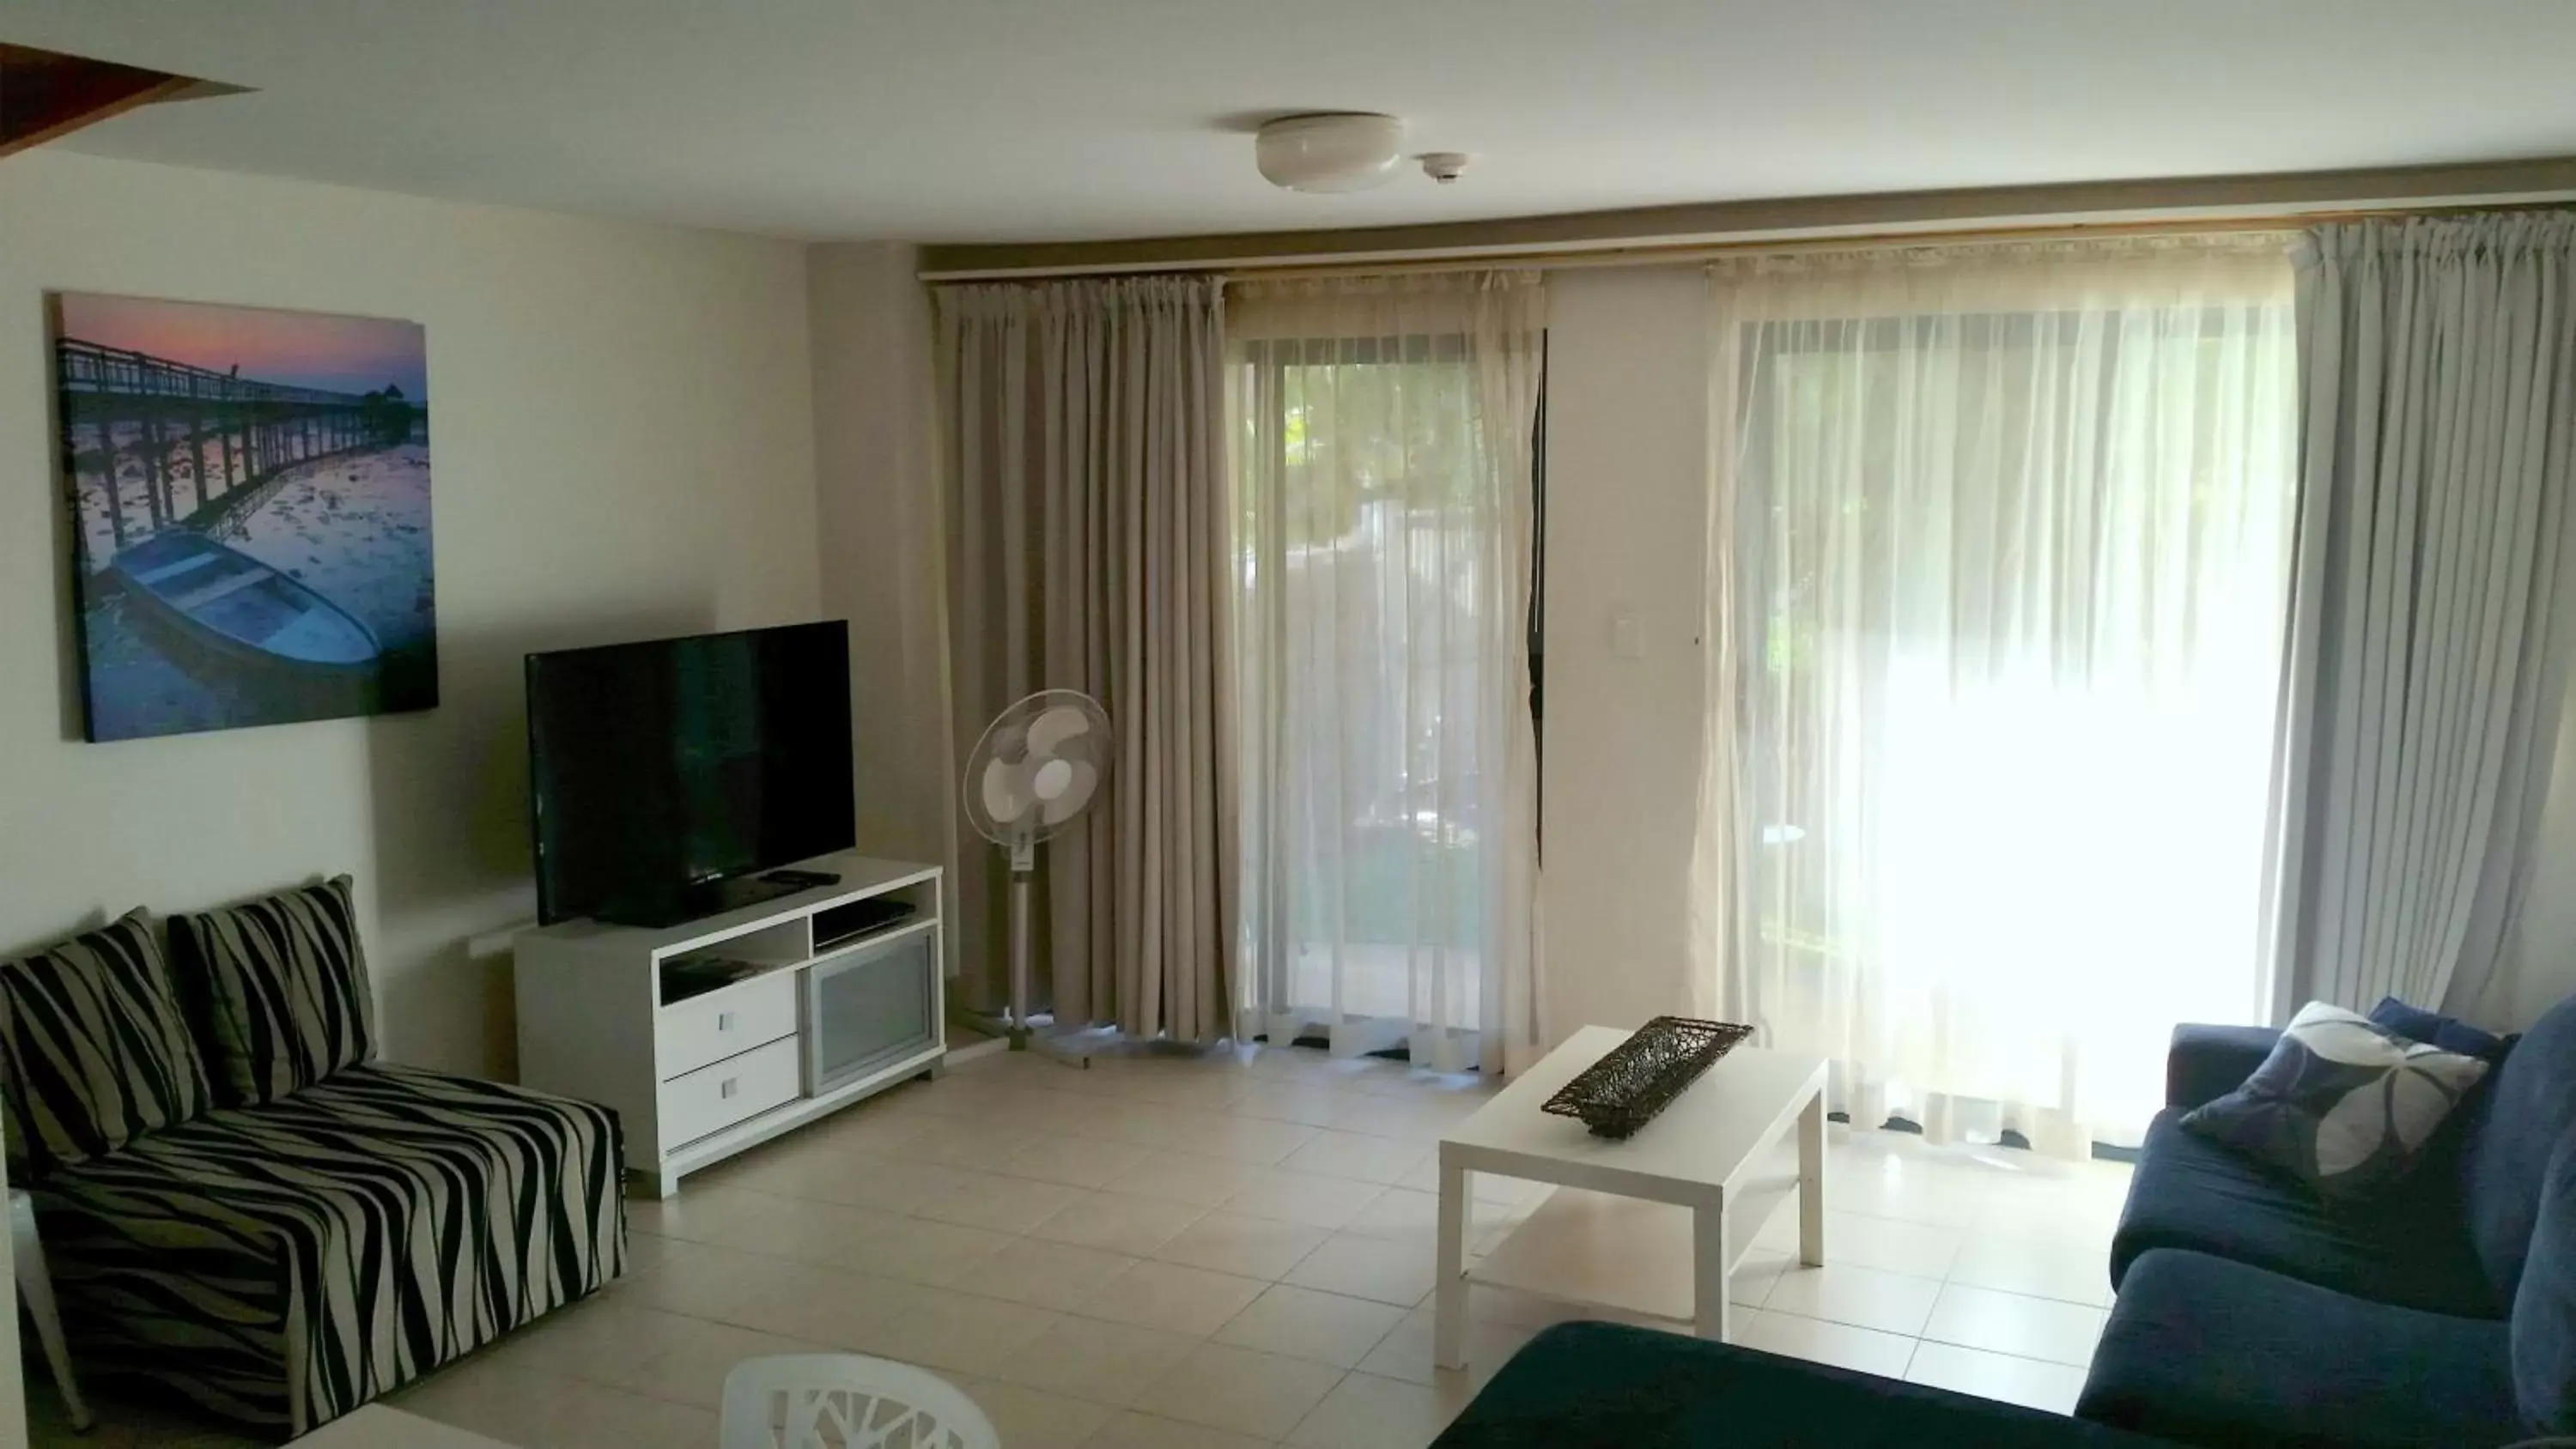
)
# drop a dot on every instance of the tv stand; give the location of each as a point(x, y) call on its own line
point(719, 1033)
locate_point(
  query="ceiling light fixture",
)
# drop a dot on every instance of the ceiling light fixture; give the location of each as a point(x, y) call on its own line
point(1329, 151)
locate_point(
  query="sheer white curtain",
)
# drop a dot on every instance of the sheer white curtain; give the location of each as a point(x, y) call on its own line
point(1383, 433)
point(2001, 539)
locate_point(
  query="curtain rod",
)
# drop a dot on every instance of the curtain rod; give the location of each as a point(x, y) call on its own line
point(1653, 254)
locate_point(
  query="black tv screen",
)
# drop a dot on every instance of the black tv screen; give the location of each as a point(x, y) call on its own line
point(662, 774)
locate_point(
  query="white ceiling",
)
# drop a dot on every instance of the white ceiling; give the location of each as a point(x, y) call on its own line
point(988, 120)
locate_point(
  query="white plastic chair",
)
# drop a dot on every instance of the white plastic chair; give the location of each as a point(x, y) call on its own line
point(847, 1401)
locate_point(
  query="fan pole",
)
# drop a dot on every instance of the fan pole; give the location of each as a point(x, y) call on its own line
point(1023, 865)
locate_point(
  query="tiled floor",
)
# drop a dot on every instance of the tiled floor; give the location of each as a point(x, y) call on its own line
point(1215, 1253)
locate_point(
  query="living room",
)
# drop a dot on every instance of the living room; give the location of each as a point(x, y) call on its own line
point(1337, 564)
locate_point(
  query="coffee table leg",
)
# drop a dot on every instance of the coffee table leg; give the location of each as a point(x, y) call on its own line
point(1811, 1182)
point(1709, 1305)
point(1449, 1298)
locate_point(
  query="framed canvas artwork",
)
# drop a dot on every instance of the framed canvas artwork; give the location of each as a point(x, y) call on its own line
point(250, 499)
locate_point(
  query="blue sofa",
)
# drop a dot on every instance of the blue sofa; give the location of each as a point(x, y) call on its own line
point(2444, 1312)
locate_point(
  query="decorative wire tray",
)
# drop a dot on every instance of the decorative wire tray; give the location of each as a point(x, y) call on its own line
point(1640, 1076)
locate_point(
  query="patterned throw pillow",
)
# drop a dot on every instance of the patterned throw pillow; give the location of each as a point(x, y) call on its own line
point(2343, 1104)
point(283, 988)
point(93, 1049)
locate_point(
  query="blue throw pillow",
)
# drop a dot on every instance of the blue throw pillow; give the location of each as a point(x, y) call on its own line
point(2447, 1032)
point(2342, 1104)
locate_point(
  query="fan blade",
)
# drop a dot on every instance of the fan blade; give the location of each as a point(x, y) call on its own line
point(1004, 798)
point(1081, 778)
point(1051, 779)
point(1054, 726)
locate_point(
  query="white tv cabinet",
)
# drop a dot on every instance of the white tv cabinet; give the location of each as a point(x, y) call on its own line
point(821, 1017)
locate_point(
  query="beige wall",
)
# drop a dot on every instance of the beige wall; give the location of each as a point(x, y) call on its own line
point(623, 444)
point(879, 526)
point(1627, 382)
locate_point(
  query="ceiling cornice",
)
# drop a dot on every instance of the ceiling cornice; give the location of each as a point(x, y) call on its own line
point(2285, 196)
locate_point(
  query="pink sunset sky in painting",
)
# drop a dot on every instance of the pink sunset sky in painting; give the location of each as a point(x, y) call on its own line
point(303, 349)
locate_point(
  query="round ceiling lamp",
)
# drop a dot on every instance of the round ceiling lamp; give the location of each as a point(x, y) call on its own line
point(1331, 151)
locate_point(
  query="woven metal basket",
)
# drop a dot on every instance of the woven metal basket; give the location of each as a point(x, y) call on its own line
point(1641, 1076)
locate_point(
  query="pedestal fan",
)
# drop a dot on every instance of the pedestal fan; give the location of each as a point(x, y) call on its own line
point(1036, 769)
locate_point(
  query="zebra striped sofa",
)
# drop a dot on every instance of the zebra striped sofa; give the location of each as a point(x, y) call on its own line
point(238, 1205)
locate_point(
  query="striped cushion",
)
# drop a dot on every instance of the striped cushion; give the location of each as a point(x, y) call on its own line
point(286, 1263)
point(93, 1051)
point(282, 984)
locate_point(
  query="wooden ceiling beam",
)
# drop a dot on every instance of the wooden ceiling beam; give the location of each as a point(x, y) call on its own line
point(45, 94)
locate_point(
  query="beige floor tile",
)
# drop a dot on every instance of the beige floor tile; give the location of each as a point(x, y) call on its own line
point(1254, 1140)
point(1118, 1222)
point(2015, 1324)
point(1415, 1116)
point(1367, 1412)
point(1225, 1242)
point(1027, 1418)
point(1405, 1352)
point(1424, 1176)
point(1862, 1297)
point(850, 1178)
point(830, 1306)
point(1357, 1155)
point(1147, 1431)
point(913, 1250)
point(711, 1213)
point(1108, 1363)
point(1817, 1341)
point(2052, 1387)
point(1303, 1323)
point(1750, 1285)
point(693, 1371)
point(2040, 1267)
point(601, 1342)
point(519, 1408)
point(953, 1332)
point(1890, 1245)
point(1240, 1390)
point(1310, 1105)
point(1184, 1177)
point(1389, 1272)
point(1085, 1162)
point(709, 1282)
point(1049, 1275)
point(1304, 1197)
point(1172, 1297)
point(994, 1202)
point(1401, 1212)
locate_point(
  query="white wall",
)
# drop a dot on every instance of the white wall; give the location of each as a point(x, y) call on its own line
point(623, 445)
point(878, 522)
point(1627, 381)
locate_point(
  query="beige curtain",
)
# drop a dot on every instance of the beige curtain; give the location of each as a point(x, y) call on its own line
point(1384, 432)
point(2431, 631)
point(1088, 535)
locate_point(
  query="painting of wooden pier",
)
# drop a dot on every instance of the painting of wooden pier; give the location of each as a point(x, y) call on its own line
point(250, 504)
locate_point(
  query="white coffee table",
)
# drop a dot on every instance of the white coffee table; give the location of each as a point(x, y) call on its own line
point(1699, 1154)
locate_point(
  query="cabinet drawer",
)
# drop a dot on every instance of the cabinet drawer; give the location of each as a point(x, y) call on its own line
point(716, 1097)
point(727, 1023)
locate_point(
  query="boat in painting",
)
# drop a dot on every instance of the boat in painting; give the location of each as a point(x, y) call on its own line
point(221, 612)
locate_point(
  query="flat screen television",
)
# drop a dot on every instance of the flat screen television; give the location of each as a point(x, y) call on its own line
point(665, 777)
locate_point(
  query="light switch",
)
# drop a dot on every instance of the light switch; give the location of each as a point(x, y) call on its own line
point(1627, 635)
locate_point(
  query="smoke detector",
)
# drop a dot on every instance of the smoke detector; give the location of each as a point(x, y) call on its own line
point(1329, 151)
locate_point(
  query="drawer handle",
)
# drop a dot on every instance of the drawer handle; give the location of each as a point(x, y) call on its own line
point(724, 1021)
point(725, 1088)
